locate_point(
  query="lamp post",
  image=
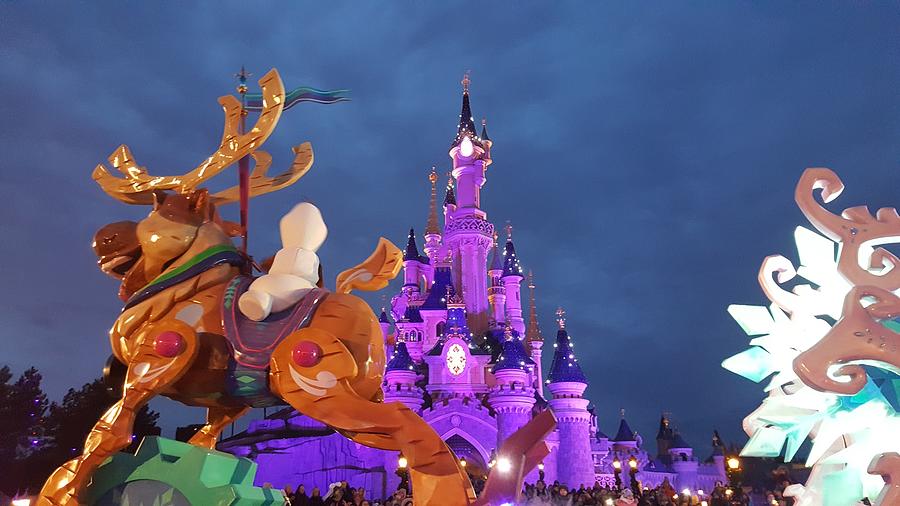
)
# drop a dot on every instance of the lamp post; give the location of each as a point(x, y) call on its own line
point(632, 471)
point(403, 473)
point(541, 471)
point(734, 474)
point(617, 470)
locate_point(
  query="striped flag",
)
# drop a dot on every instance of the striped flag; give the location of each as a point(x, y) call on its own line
point(297, 95)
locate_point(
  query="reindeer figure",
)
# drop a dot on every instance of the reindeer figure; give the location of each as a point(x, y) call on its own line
point(180, 336)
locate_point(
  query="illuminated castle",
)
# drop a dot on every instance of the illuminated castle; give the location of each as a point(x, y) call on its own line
point(462, 356)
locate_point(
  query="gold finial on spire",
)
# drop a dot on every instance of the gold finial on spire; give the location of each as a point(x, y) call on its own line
point(465, 82)
point(431, 228)
point(622, 412)
point(509, 229)
point(561, 317)
point(496, 236)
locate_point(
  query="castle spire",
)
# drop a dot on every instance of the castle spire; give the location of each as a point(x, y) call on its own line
point(466, 127)
point(511, 265)
point(484, 134)
point(533, 332)
point(412, 251)
point(449, 196)
point(431, 228)
point(564, 367)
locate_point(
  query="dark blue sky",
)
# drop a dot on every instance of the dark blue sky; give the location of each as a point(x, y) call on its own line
point(646, 153)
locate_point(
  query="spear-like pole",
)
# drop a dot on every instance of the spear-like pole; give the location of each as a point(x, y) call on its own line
point(244, 162)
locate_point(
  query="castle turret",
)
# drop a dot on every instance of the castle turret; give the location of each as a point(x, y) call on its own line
point(413, 264)
point(534, 340)
point(567, 384)
point(400, 380)
point(467, 232)
point(683, 463)
point(512, 280)
point(496, 290)
point(449, 199)
point(432, 229)
point(625, 438)
point(512, 397)
point(664, 436)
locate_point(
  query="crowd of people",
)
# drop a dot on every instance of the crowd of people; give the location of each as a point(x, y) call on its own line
point(540, 494)
point(536, 494)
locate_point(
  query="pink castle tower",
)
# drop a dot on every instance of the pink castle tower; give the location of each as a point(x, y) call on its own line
point(467, 232)
point(512, 397)
point(534, 340)
point(400, 380)
point(496, 292)
point(567, 384)
point(512, 280)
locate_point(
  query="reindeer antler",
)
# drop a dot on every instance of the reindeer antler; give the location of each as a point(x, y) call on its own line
point(855, 228)
point(260, 184)
point(138, 185)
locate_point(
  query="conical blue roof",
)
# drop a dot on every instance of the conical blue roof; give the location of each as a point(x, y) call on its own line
point(512, 356)
point(412, 251)
point(437, 295)
point(565, 366)
point(484, 134)
point(466, 125)
point(679, 442)
point(510, 262)
point(450, 197)
point(412, 315)
point(401, 360)
point(496, 259)
point(624, 433)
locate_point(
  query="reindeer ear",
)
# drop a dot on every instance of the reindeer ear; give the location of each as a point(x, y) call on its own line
point(158, 197)
point(201, 204)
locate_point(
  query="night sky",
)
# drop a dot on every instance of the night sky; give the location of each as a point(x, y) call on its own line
point(646, 154)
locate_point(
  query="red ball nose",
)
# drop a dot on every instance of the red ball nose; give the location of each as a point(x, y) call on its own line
point(307, 354)
point(169, 344)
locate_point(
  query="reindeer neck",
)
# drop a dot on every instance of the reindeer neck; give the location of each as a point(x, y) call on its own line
point(210, 248)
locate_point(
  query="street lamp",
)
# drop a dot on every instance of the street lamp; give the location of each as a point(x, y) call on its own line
point(403, 473)
point(632, 471)
point(462, 462)
point(504, 465)
point(541, 471)
point(617, 470)
point(734, 474)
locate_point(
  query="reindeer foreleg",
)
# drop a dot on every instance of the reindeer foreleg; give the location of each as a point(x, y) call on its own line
point(165, 352)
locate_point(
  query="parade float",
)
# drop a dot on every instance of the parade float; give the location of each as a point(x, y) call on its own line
point(830, 344)
point(199, 327)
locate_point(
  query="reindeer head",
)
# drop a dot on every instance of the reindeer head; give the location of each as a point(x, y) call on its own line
point(862, 334)
point(859, 233)
point(137, 252)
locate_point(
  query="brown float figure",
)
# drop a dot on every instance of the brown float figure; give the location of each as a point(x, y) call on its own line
point(177, 268)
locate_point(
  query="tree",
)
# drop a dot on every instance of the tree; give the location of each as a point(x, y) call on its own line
point(71, 421)
point(44, 437)
point(22, 408)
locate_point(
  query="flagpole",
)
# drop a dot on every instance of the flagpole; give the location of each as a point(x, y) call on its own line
point(244, 162)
